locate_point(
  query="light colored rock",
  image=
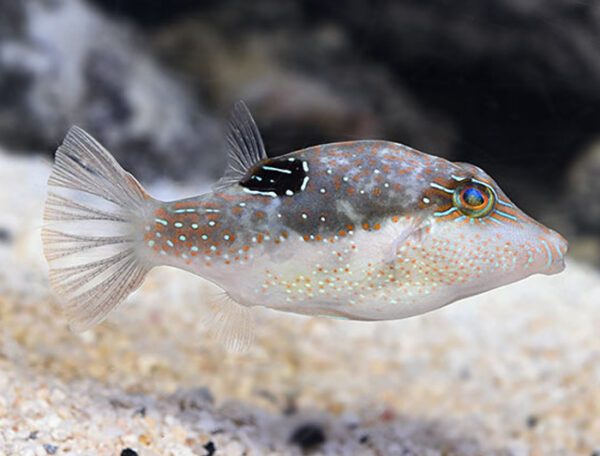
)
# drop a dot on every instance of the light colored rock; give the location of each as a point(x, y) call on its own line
point(583, 189)
point(65, 63)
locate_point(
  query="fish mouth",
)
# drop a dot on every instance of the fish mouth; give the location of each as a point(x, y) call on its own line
point(553, 249)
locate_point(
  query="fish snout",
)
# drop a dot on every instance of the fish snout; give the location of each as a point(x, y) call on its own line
point(554, 247)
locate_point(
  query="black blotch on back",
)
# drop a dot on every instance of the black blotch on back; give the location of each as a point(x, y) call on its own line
point(282, 176)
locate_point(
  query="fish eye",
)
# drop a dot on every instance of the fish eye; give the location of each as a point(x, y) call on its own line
point(474, 199)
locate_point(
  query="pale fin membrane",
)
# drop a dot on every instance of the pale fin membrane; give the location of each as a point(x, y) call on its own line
point(245, 146)
point(93, 230)
point(231, 323)
point(413, 229)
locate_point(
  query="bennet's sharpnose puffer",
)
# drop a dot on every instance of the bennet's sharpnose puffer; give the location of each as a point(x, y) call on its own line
point(365, 230)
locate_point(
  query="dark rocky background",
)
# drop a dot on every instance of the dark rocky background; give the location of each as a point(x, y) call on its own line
point(510, 85)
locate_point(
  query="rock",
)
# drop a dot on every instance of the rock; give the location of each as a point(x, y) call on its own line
point(5, 235)
point(583, 190)
point(308, 436)
point(299, 98)
point(582, 205)
point(210, 448)
point(128, 452)
point(62, 62)
point(586, 249)
point(554, 42)
point(197, 398)
point(50, 449)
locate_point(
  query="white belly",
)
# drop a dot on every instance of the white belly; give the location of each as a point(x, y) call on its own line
point(360, 275)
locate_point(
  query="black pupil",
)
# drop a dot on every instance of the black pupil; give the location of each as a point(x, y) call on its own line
point(473, 197)
point(281, 176)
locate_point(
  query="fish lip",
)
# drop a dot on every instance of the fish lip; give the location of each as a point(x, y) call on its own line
point(564, 244)
point(556, 248)
point(556, 267)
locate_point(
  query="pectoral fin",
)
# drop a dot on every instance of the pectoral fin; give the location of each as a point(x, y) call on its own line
point(412, 230)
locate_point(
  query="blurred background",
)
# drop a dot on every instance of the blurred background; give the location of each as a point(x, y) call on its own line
point(510, 85)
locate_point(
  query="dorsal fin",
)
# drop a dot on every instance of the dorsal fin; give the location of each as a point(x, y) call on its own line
point(245, 146)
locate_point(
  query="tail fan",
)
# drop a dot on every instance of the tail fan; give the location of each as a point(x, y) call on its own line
point(93, 230)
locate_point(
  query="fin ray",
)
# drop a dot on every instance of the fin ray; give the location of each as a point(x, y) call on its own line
point(91, 232)
point(411, 230)
point(230, 322)
point(245, 145)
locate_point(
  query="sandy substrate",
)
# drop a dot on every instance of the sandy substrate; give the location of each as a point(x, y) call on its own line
point(512, 372)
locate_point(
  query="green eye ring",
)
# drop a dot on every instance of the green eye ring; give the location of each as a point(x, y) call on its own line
point(474, 199)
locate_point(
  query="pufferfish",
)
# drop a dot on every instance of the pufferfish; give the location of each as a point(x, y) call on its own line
point(363, 230)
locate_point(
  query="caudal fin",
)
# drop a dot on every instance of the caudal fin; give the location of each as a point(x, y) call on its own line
point(93, 230)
